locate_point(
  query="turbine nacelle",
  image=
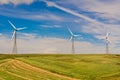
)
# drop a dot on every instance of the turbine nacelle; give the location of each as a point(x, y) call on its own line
point(17, 29)
point(72, 35)
point(107, 37)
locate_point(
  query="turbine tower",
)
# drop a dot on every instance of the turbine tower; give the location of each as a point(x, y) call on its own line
point(72, 39)
point(107, 42)
point(14, 36)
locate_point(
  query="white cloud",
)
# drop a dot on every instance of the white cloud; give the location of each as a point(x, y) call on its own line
point(16, 2)
point(50, 45)
point(27, 36)
point(108, 9)
point(50, 26)
point(0, 34)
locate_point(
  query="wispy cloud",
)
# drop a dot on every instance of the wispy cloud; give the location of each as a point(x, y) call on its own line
point(42, 17)
point(72, 12)
point(29, 15)
point(106, 9)
point(51, 26)
point(109, 9)
point(16, 2)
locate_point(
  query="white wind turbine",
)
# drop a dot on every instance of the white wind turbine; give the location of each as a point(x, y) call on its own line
point(107, 42)
point(72, 39)
point(14, 36)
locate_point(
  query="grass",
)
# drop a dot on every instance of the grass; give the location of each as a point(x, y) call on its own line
point(79, 66)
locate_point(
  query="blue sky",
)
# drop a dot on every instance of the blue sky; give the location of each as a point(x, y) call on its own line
point(51, 18)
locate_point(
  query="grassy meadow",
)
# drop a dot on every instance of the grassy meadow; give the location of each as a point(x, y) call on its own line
point(59, 67)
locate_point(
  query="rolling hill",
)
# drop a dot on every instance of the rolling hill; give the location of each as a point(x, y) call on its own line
point(59, 67)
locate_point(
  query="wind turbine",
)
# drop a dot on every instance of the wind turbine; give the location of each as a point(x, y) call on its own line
point(72, 39)
point(14, 36)
point(107, 42)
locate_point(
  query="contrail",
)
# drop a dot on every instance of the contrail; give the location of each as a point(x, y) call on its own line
point(73, 13)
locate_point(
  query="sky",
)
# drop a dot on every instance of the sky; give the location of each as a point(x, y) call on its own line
point(47, 23)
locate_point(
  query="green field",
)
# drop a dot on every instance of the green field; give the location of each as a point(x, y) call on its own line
point(59, 67)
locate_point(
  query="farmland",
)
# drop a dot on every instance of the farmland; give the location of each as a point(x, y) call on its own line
point(59, 67)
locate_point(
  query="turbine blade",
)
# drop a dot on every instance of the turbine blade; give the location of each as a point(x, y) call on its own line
point(12, 24)
point(13, 34)
point(70, 38)
point(21, 28)
point(70, 31)
point(106, 34)
point(109, 40)
point(76, 35)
